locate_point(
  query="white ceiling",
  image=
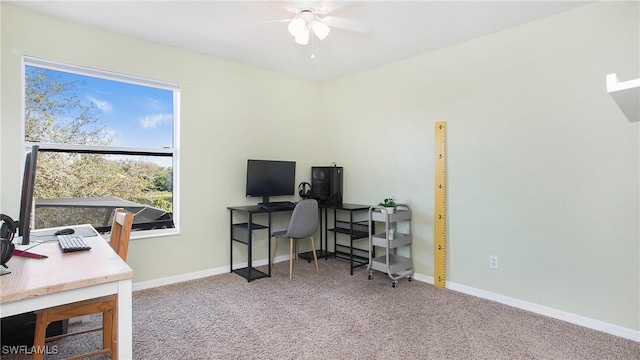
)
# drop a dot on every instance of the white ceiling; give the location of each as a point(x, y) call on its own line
point(398, 29)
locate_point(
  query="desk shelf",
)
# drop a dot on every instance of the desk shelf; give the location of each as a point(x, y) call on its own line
point(359, 257)
point(242, 232)
point(356, 230)
point(319, 253)
point(250, 275)
point(350, 228)
point(360, 230)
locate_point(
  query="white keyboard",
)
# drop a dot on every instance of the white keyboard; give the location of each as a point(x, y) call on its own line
point(72, 242)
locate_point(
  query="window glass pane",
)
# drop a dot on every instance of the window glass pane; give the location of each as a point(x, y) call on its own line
point(109, 143)
point(83, 188)
point(68, 108)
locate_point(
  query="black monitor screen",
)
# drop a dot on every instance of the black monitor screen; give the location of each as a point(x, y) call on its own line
point(270, 178)
point(26, 199)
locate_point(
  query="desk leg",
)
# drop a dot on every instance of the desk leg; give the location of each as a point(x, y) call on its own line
point(323, 246)
point(269, 244)
point(249, 254)
point(351, 241)
point(335, 234)
point(231, 241)
point(125, 316)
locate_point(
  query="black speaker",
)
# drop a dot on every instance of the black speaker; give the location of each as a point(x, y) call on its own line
point(19, 329)
point(326, 184)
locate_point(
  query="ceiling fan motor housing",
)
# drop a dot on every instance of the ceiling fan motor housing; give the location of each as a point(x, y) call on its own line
point(305, 21)
point(308, 15)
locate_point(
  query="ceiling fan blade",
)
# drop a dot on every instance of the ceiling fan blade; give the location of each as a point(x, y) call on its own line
point(286, 6)
point(267, 22)
point(347, 24)
point(336, 7)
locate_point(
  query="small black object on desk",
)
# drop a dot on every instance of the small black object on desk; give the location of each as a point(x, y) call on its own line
point(67, 231)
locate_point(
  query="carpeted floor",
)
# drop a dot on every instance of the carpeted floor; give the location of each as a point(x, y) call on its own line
point(332, 315)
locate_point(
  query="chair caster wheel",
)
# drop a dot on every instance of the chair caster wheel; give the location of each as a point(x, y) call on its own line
point(394, 284)
point(370, 277)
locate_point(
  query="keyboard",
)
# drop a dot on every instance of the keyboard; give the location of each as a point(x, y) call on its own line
point(278, 205)
point(73, 242)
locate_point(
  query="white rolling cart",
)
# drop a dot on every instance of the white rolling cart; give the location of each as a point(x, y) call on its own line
point(396, 235)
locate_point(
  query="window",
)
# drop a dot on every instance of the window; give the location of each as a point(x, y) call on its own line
point(106, 140)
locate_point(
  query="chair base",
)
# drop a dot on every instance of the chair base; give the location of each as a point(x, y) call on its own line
point(295, 253)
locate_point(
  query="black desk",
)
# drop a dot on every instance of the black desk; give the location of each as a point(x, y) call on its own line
point(242, 233)
point(353, 228)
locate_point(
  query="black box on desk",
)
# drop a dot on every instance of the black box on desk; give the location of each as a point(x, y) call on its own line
point(326, 184)
point(19, 329)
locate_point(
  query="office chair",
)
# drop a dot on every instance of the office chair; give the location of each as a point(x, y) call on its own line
point(107, 305)
point(304, 222)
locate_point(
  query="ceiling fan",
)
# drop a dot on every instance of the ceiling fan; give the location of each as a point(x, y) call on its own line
point(318, 21)
point(308, 20)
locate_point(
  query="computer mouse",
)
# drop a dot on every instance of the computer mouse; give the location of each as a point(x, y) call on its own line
point(65, 232)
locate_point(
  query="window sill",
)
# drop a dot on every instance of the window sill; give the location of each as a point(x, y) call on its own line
point(135, 235)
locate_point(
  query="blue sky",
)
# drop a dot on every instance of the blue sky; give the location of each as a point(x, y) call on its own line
point(136, 115)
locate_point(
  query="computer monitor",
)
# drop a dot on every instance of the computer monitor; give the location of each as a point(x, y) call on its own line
point(267, 178)
point(26, 199)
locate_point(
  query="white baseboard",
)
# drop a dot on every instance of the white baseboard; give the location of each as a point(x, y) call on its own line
point(200, 274)
point(539, 309)
point(424, 278)
point(520, 304)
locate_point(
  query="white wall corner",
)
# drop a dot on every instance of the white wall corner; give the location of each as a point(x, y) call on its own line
point(626, 94)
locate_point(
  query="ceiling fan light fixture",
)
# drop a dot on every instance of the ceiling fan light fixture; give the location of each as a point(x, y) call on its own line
point(297, 26)
point(320, 29)
point(303, 37)
point(307, 15)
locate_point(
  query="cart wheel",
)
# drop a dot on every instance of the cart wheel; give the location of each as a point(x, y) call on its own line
point(370, 277)
point(394, 283)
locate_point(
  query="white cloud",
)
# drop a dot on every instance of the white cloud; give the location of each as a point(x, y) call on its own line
point(113, 134)
point(154, 120)
point(105, 106)
point(154, 104)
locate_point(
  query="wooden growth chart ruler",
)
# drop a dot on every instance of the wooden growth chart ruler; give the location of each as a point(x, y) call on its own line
point(440, 206)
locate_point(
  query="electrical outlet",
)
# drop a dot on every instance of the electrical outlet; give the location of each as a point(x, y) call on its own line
point(493, 261)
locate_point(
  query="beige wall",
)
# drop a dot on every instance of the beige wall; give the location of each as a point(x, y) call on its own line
point(543, 167)
point(228, 113)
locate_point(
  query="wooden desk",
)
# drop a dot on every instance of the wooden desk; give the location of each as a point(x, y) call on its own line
point(65, 278)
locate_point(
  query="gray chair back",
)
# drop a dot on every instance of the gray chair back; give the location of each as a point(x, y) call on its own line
point(304, 220)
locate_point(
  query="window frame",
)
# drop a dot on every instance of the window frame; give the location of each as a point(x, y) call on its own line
point(111, 150)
